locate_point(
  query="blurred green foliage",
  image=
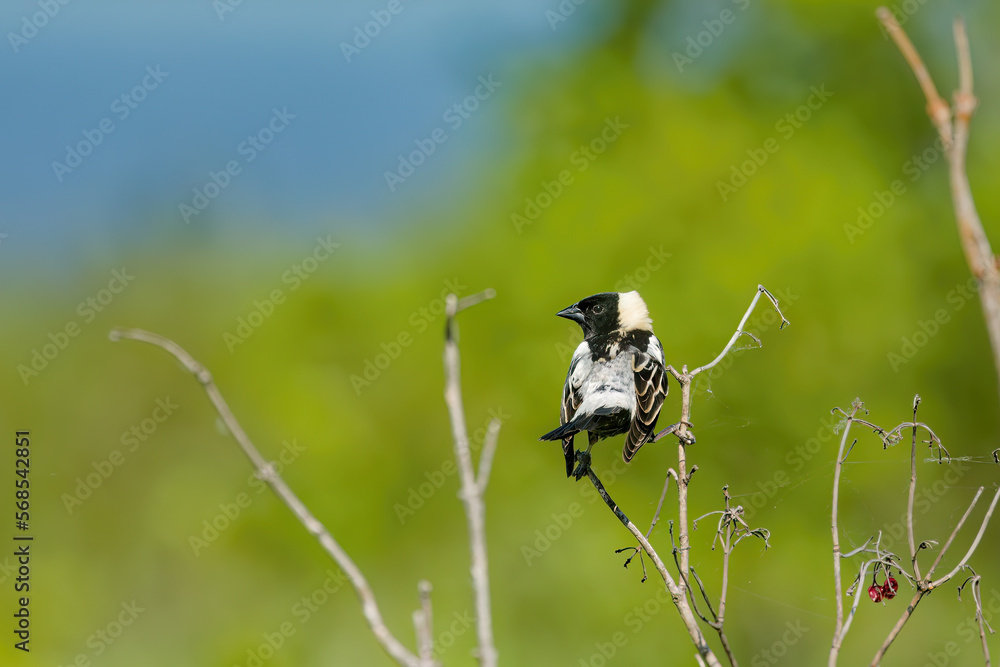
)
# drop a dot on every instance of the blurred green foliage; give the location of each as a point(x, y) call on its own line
point(368, 449)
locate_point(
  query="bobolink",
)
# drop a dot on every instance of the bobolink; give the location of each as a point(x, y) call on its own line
point(616, 381)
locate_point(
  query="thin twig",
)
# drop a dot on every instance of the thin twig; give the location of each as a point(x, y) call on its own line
point(677, 594)
point(896, 629)
point(858, 587)
point(705, 597)
point(266, 472)
point(937, 108)
point(739, 328)
point(471, 493)
point(683, 477)
point(972, 547)
point(839, 629)
point(726, 551)
point(977, 598)
point(954, 532)
point(730, 525)
point(863, 547)
point(925, 585)
point(659, 505)
point(912, 489)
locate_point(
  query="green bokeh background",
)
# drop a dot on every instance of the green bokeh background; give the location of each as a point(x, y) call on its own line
point(852, 299)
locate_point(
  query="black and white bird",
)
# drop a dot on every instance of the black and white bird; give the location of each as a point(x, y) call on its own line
point(617, 379)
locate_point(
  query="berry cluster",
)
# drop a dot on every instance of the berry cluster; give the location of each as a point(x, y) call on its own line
point(886, 591)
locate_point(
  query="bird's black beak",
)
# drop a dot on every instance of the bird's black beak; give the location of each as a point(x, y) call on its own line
point(572, 313)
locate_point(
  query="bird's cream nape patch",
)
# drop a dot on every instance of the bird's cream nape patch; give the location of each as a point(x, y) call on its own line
point(632, 312)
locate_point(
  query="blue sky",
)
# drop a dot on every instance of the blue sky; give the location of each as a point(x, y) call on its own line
point(198, 83)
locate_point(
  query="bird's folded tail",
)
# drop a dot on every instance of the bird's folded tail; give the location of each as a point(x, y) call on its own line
point(568, 431)
point(564, 431)
point(578, 423)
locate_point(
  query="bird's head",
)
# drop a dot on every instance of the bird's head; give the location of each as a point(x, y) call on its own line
point(607, 312)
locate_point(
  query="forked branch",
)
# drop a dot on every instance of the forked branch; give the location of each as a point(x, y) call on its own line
point(735, 529)
point(952, 123)
point(886, 560)
point(473, 484)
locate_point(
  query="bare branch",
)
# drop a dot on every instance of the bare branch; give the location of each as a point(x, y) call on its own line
point(739, 329)
point(266, 472)
point(914, 601)
point(955, 134)
point(674, 428)
point(486, 458)
point(682, 476)
point(423, 622)
point(964, 57)
point(974, 582)
point(925, 586)
point(840, 629)
point(978, 597)
point(858, 588)
point(470, 493)
point(972, 547)
point(659, 505)
point(684, 438)
point(705, 597)
point(677, 594)
point(472, 300)
point(951, 538)
point(863, 547)
point(912, 489)
point(727, 547)
point(937, 108)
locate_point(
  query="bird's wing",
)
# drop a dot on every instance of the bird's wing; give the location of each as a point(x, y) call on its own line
point(650, 389)
point(570, 402)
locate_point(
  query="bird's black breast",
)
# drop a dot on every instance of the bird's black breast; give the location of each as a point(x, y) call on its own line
point(609, 345)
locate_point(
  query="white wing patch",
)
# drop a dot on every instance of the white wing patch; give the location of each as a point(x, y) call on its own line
point(655, 350)
point(580, 365)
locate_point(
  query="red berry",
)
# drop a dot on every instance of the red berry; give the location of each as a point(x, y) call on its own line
point(889, 588)
point(875, 593)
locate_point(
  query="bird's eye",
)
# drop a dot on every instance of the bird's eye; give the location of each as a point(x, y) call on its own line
point(598, 309)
